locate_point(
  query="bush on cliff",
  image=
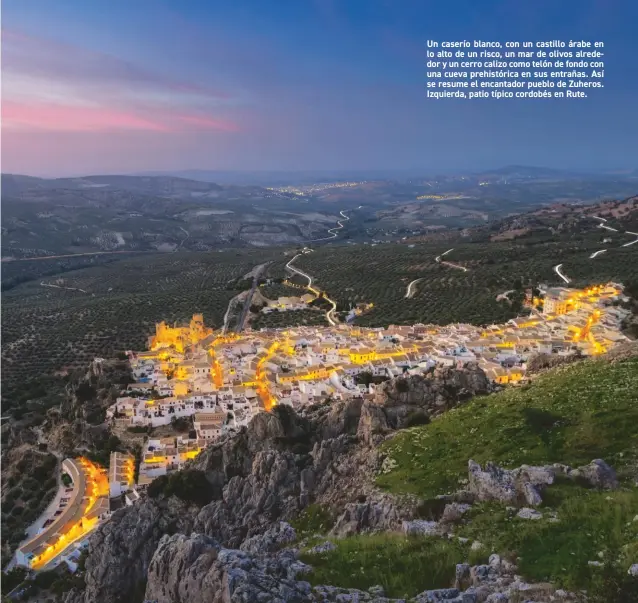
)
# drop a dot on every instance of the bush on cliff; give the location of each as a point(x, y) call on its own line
point(189, 485)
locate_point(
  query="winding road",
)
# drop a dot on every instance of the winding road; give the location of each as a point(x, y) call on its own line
point(43, 284)
point(450, 264)
point(557, 270)
point(188, 234)
point(601, 224)
point(71, 255)
point(411, 290)
point(631, 242)
point(329, 313)
point(334, 231)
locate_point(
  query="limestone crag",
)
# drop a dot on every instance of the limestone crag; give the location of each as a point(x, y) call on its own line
point(122, 549)
point(380, 514)
point(197, 569)
point(278, 535)
point(433, 392)
point(267, 473)
point(525, 484)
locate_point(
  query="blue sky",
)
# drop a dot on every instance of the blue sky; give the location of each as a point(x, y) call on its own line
point(110, 86)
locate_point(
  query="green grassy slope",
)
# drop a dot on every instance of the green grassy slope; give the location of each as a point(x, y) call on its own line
point(570, 415)
point(573, 415)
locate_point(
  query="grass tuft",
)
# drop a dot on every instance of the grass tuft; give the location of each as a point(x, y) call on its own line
point(404, 566)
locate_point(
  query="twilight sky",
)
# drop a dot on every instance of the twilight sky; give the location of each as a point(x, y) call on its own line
point(118, 86)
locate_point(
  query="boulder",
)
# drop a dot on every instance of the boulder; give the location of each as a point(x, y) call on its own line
point(420, 527)
point(454, 512)
point(463, 576)
point(509, 486)
point(598, 474)
point(492, 483)
point(527, 513)
point(369, 516)
point(532, 496)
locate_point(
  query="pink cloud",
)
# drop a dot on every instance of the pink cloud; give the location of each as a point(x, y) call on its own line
point(41, 116)
point(73, 119)
point(209, 123)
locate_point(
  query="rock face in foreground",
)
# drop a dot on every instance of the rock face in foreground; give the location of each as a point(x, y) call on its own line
point(122, 548)
point(268, 473)
point(197, 569)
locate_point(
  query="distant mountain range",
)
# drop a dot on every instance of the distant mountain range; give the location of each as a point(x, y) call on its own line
point(176, 179)
point(282, 178)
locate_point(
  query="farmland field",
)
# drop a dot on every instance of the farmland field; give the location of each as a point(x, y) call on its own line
point(109, 308)
point(381, 274)
point(56, 322)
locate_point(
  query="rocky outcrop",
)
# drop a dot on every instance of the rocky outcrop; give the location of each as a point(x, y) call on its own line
point(527, 513)
point(509, 486)
point(454, 512)
point(525, 484)
point(421, 527)
point(197, 569)
point(598, 474)
point(277, 536)
point(544, 362)
point(265, 475)
point(373, 515)
point(120, 551)
point(432, 393)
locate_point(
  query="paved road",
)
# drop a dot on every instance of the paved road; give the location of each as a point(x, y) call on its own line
point(450, 264)
point(631, 242)
point(244, 312)
point(594, 255)
point(334, 231)
point(411, 290)
point(188, 234)
point(329, 313)
point(557, 270)
point(70, 255)
point(43, 284)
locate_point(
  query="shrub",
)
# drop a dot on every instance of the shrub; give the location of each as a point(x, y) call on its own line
point(138, 428)
point(181, 424)
point(417, 417)
point(12, 578)
point(189, 485)
point(402, 385)
point(314, 519)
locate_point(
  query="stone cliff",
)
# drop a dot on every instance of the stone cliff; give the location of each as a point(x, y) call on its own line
point(268, 472)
